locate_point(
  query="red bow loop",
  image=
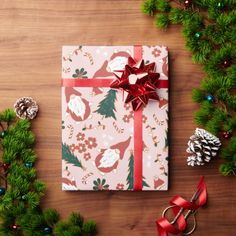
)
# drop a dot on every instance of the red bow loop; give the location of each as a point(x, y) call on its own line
point(139, 81)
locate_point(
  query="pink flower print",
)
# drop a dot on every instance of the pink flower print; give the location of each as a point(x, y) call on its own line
point(81, 148)
point(127, 106)
point(73, 147)
point(131, 114)
point(156, 52)
point(126, 118)
point(144, 119)
point(91, 142)
point(87, 156)
point(80, 136)
point(120, 186)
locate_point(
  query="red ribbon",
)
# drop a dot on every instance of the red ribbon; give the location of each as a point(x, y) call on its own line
point(99, 82)
point(164, 226)
point(138, 139)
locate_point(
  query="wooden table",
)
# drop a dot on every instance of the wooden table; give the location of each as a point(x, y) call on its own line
point(32, 33)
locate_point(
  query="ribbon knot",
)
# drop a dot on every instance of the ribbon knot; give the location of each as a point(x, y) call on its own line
point(138, 81)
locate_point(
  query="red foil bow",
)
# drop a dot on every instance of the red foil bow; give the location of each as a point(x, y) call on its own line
point(139, 81)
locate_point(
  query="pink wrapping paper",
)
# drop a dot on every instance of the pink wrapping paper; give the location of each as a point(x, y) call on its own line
point(97, 126)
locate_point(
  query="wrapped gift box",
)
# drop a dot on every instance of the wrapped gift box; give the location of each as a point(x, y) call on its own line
point(103, 148)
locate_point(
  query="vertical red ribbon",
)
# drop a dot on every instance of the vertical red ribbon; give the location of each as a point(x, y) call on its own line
point(138, 137)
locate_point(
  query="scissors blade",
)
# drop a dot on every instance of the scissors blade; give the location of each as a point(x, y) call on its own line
point(196, 195)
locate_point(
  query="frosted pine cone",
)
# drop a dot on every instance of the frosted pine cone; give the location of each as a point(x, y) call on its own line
point(202, 146)
point(26, 108)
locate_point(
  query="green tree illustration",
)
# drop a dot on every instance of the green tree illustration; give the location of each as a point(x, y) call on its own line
point(107, 105)
point(69, 157)
point(130, 177)
point(166, 139)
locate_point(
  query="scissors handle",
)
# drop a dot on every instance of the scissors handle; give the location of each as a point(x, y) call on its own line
point(194, 223)
point(186, 216)
point(176, 217)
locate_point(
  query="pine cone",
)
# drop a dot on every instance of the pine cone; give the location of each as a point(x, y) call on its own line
point(202, 146)
point(26, 108)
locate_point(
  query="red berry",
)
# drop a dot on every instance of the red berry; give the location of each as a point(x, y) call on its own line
point(226, 63)
point(187, 3)
point(227, 134)
point(5, 166)
point(14, 226)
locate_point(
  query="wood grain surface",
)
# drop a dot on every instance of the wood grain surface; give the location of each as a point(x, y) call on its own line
point(32, 33)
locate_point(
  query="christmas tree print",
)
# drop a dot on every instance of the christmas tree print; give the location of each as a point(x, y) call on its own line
point(145, 183)
point(130, 177)
point(69, 157)
point(166, 139)
point(107, 105)
point(166, 136)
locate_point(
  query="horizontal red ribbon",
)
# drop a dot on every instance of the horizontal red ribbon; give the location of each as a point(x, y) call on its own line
point(99, 82)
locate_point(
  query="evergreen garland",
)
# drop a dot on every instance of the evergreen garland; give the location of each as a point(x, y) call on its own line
point(20, 191)
point(209, 28)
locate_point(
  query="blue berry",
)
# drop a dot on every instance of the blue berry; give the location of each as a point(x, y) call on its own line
point(210, 98)
point(29, 164)
point(47, 230)
point(2, 191)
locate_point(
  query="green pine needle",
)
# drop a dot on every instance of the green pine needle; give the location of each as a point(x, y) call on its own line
point(162, 20)
point(89, 228)
point(149, 7)
point(8, 115)
point(76, 219)
point(51, 216)
point(198, 95)
point(163, 6)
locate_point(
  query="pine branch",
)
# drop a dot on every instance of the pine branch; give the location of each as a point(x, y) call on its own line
point(209, 30)
point(20, 211)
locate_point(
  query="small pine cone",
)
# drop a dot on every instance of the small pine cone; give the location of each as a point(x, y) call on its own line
point(202, 146)
point(26, 108)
